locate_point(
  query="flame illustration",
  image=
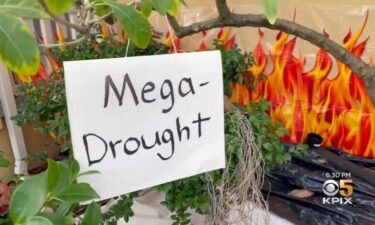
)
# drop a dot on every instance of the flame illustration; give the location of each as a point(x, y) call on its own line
point(338, 109)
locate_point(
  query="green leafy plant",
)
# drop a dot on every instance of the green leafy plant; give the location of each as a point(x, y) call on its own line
point(133, 22)
point(121, 210)
point(51, 197)
point(268, 134)
point(20, 51)
point(235, 66)
point(58, 7)
point(189, 193)
point(92, 215)
point(45, 103)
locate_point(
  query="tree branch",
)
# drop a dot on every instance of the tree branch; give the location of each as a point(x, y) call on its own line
point(80, 29)
point(359, 67)
point(223, 9)
point(93, 21)
point(77, 41)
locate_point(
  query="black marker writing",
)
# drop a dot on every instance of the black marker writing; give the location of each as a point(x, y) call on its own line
point(148, 93)
point(131, 145)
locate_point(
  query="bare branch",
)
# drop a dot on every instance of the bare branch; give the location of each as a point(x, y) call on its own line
point(93, 21)
point(77, 41)
point(223, 9)
point(358, 66)
point(81, 29)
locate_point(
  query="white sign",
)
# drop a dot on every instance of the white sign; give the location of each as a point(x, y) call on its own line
point(144, 121)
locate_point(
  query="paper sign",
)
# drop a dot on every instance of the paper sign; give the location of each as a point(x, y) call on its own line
point(144, 121)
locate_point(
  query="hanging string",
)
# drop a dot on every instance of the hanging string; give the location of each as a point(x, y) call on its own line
point(127, 47)
point(171, 35)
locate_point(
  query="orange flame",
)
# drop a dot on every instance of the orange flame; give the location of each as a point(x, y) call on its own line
point(339, 109)
point(172, 41)
point(105, 31)
point(223, 36)
point(60, 36)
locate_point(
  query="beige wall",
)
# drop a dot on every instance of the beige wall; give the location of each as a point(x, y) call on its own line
point(335, 16)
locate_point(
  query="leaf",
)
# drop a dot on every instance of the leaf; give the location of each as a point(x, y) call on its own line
point(28, 198)
point(173, 7)
point(4, 162)
point(77, 193)
point(56, 219)
point(18, 47)
point(88, 173)
point(270, 10)
point(23, 8)
point(74, 169)
point(53, 175)
point(58, 176)
point(146, 7)
point(93, 215)
point(5, 221)
point(39, 220)
point(102, 10)
point(59, 6)
point(161, 6)
point(281, 132)
point(268, 146)
point(63, 209)
point(134, 23)
point(264, 105)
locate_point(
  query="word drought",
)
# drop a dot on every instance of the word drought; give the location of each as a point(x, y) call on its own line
point(131, 145)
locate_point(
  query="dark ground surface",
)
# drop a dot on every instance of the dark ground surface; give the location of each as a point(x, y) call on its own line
point(309, 173)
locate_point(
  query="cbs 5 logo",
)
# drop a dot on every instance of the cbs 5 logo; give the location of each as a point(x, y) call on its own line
point(344, 188)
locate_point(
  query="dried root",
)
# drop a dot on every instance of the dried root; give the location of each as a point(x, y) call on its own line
point(238, 199)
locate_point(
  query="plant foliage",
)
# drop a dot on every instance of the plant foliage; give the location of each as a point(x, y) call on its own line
point(18, 49)
point(270, 10)
point(51, 197)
